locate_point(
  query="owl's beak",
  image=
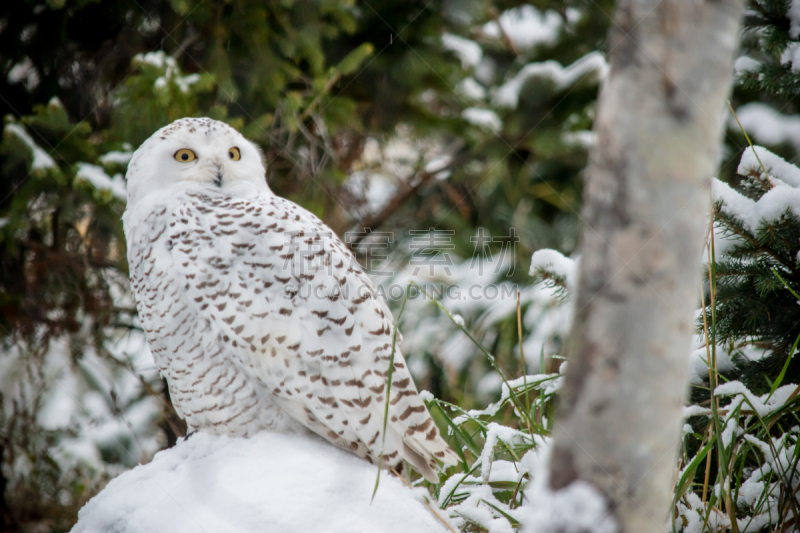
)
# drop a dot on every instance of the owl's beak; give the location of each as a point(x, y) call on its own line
point(218, 180)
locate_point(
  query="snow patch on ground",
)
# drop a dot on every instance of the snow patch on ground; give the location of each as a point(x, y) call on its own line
point(577, 508)
point(270, 482)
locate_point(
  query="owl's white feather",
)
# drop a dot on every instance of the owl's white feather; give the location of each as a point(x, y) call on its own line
point(256, 313)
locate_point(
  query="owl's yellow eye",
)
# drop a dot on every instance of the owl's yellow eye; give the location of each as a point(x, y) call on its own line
point(234, 154)
point(184, 155)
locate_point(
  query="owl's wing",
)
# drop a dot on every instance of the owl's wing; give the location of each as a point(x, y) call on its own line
point(290, 299)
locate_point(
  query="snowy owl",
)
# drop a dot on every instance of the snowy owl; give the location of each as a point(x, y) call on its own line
point(255, 312)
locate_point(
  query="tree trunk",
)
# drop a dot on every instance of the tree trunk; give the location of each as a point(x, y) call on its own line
point(646, 207)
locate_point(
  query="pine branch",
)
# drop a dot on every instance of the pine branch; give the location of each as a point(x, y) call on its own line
point(720, 215)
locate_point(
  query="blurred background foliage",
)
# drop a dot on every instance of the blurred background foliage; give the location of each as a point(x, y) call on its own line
point(382, 115)
point(468, 120)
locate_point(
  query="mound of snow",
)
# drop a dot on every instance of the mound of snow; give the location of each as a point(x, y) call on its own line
point(270, 482)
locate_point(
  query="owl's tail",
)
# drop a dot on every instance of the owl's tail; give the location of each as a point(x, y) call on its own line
point(422, 454)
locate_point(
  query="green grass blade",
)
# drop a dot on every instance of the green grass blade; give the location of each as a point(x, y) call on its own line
point(489, 356)
point(779, 379)
point(389, 390)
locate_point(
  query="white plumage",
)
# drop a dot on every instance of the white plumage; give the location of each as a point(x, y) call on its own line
point(256, 313)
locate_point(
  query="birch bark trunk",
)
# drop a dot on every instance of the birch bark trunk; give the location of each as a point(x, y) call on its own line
point(659, 127)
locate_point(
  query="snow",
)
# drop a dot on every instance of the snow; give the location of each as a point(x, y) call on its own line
point(783, 196)
point(41, 159)
point(158, 59)
point(426, 395)
point(494, 434)
point(24, 72)
point(116, 158)
point(554, 262)
point(507, 95)
point(584, 138)
point(184, 82)
point(699, 358)
point(576, 508)
point(270, 482)
point(482, 515)
point(161, 60)
point(776, 166)
point(526, 27)
point(766, 125)
point(763, 405)
point(695, 410)
point(730, 427)
point(735, 204)
point(791, 55)
point(469, 52)
point(504, 471)
point(374, 188)
point(485, 118)
point(746, 64)
point(469, 88)
point(101, 181)
point(438, 164)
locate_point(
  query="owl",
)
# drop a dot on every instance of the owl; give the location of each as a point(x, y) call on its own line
point(256, 314)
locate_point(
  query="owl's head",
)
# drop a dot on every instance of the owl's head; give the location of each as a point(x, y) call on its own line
point(196, 154)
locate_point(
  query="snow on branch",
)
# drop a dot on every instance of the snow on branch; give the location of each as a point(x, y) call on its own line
point(41, 159)
point(554, 268)
point(782, 181)
point(102, 181)
point(591, 64)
